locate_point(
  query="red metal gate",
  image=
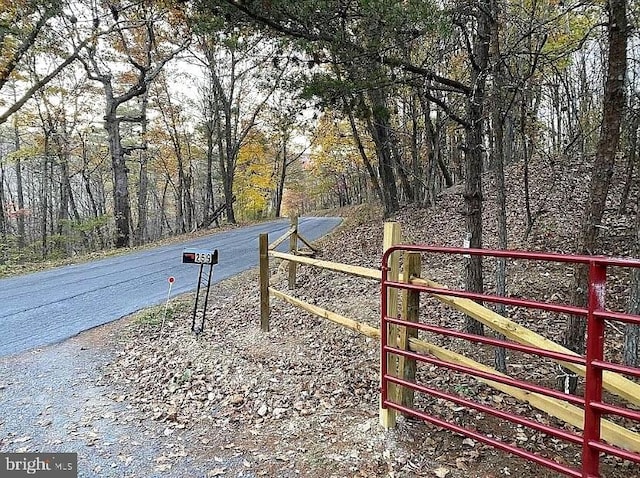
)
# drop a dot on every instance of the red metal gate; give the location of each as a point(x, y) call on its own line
point(594, 362)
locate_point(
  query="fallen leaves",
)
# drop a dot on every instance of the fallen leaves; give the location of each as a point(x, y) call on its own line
point(305, 394)
point(441, 472)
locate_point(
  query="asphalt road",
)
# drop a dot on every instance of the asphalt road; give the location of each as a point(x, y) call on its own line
point(48, 307)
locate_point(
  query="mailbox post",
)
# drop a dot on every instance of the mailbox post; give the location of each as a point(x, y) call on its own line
point(201, 257)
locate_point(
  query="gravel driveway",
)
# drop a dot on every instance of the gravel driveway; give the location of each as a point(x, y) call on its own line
point(54, 400)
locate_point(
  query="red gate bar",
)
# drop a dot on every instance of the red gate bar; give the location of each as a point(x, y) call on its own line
point(578, 359)
point(619, 316)
point(489, 376)
point(548, 430)
point(609, 409)
point(616, 367)
point(561, 309)
point(594, 407)
point(510, 254)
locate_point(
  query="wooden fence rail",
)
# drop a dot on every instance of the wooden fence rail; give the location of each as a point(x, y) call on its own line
point(407, 339)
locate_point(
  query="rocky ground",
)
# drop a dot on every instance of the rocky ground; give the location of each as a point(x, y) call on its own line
point(302, 399)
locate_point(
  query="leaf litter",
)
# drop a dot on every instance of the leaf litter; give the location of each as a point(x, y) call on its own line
point(302, 399)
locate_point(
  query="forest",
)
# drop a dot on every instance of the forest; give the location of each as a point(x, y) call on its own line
point(123, 122)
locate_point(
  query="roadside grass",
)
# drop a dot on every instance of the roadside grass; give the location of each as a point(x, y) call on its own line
point(154, 316)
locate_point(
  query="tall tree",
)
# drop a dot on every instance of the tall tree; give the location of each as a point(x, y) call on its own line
point(173, 120)
point(4, 223)
point(478, 53)
point(243, 70)
point(286, 122)
point(612, 111)
point(497, 163)
point(141, 231)
point(19, 185)
point(141, 40)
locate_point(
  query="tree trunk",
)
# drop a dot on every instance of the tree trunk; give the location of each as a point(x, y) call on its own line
point(473, 214)
point(363, 154)
point(228, 157)
point(189, 207)
point(613, 106)
point(434, 156)
point(227, 166)
point(281, 177)
point(184, 206)
point(379, 128)
point(19, 190)
point(121, 204)
point(416, 167)
point(474, 157)
point(525, 161)
point(209, 195)
point(140, 233)
point(86, 179)
point(63, 205)
point(44, 198)
point(71, 205)
point(180, 223)
point(400, 169)
point(497, 160)
point(3, 215)
point(632, 156)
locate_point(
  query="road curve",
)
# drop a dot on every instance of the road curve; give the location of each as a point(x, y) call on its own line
point(47, 307)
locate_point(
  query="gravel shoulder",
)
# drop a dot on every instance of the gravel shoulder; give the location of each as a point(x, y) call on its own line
point(55, 399)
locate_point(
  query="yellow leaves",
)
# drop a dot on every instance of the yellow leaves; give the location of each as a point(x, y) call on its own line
point(10, 10)
point(254, 178)
point(7, 49)
point(25, 153)
point(565, 28)
point(24, 27)
point(570, 34)
point(335, 149)
point(11, 28)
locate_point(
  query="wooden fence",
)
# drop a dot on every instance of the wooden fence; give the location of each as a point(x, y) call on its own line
point(408, 340)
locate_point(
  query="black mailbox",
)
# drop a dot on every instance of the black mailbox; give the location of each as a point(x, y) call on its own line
point(195, 256)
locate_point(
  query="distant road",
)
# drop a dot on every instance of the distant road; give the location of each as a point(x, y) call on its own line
point(47, 307)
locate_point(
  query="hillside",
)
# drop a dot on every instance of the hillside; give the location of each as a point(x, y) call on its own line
point(302, 399)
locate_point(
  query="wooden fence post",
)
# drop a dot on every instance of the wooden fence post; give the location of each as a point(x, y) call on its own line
point(392, 236)
point(410, 313)
point(264, 282)
point(293, 248)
